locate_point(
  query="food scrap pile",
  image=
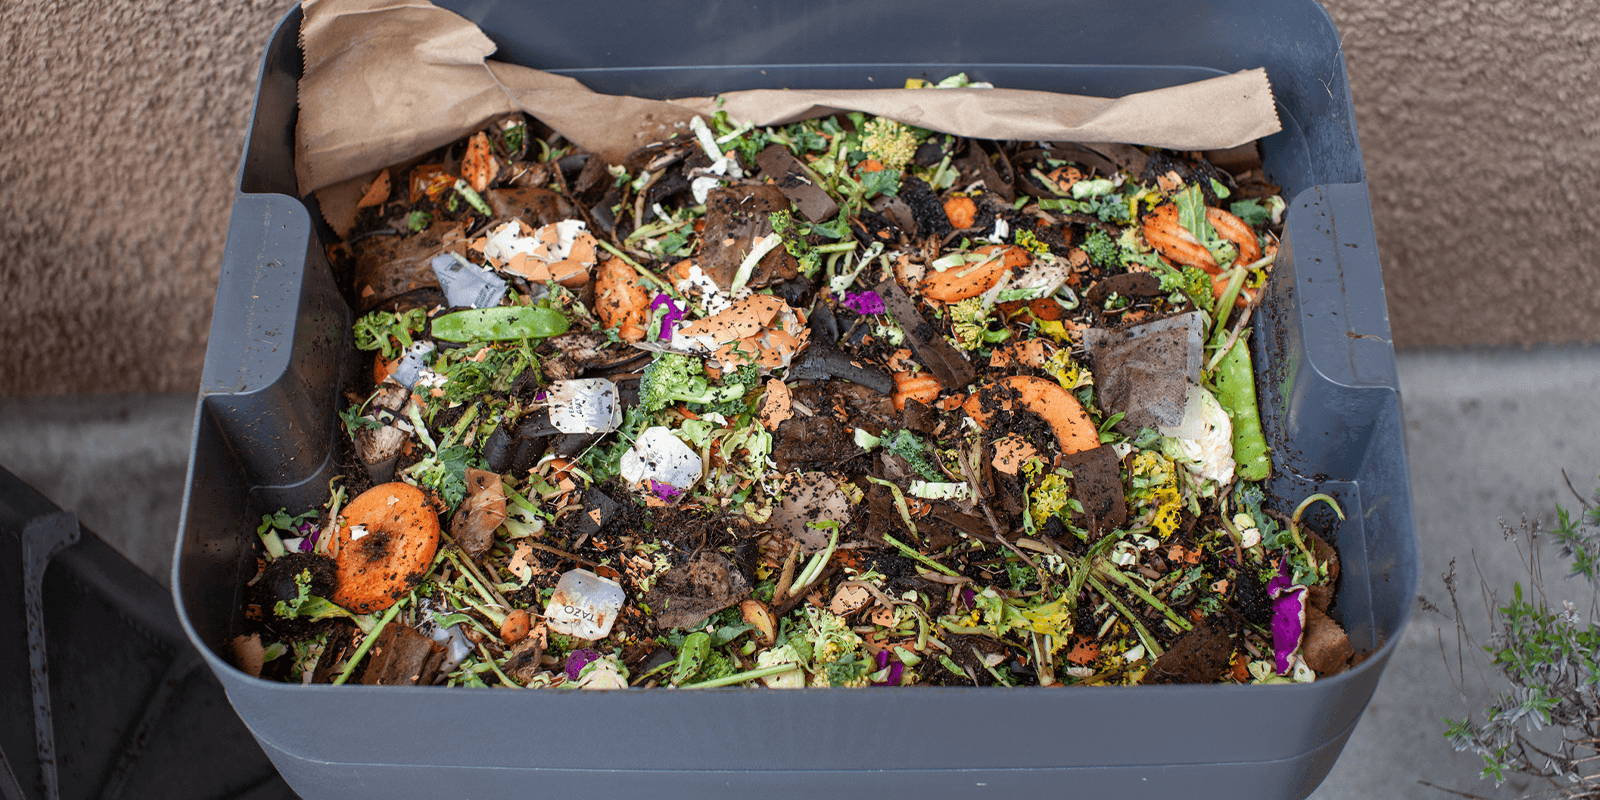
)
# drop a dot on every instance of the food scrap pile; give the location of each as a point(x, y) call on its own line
point(839, 403)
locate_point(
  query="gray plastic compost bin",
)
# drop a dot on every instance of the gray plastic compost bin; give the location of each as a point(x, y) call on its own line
point(265, 435)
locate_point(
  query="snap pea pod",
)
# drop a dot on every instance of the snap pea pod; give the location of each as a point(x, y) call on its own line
point(500, 324)
point(1234, 384)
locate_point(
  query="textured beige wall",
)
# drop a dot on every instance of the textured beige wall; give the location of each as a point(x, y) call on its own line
point(121, 120)
point(121, 123)
point(1480, 123)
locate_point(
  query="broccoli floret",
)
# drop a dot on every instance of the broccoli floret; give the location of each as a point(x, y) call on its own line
point(1192, 282)
point(910, 447)
point(794, 241)
point(969, 325)
point(389, 333)
point(1102, 249)
point(745, 379)
point(852, 670)
point(677, 378)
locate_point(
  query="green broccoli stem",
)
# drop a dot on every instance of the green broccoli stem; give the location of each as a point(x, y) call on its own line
point(742, 677)
point(369, 641)
point(813, 568)
point(494, 665)
point(1294, 523)
point(657, 228)
point(836, 247)
point(899, 504)
point(653, 671)
point(1224, 306)
point(516, 499)
point(482, 586)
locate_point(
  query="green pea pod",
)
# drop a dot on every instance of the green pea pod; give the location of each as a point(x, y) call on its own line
point(1234, 384)
point(499, 324)
point(691, 656)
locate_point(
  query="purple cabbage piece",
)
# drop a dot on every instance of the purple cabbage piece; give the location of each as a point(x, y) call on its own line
point(897, 669)
point(868, 302)
point(577, 660)
point(1288, 616)
point(670, 318)
point(664, 491)
point(1283, 580)
point(309, 535)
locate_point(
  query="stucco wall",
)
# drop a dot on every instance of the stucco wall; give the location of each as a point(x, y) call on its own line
point(120, 122)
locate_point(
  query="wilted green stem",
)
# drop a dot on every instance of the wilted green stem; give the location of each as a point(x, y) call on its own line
point(1133, 586)
point(1138, 627)
point(741, 677)
point(366, 644)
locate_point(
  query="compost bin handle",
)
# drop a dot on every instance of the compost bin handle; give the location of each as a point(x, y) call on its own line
point(280, 333)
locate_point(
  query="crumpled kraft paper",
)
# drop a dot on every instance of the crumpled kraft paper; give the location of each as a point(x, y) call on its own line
point(387, 80)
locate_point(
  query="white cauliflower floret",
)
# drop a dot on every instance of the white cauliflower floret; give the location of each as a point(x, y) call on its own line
point(783, 654)
point(830, 636)
point(603, 673)
point(1203, 442)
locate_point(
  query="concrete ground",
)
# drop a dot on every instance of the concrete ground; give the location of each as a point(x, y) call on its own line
point(1489, 435)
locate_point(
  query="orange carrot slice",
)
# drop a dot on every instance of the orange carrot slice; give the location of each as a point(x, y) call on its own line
point(971, 280)
point(478, 164)
point(1010, 453)
point(385, 546)
point(1235, 230)
point(1065, 177)
point(1074, 431)
point(961, 212)
point(919, 386)
point(1032, 353)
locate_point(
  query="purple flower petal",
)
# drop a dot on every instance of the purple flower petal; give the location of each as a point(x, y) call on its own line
point(967, 598)
point(670, 318)
point(1288, 616)
point(577, 660)
point(868, 302)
